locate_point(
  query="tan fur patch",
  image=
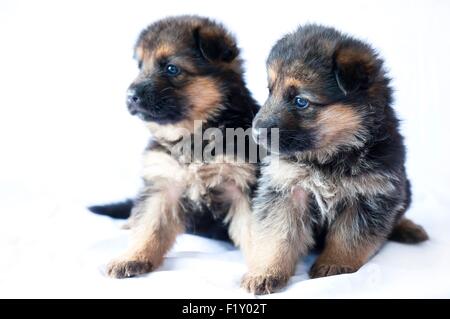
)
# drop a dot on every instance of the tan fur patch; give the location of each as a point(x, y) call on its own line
point(163, 50)
point(159, 225)
point(204, 95)
point(345, 250)
point(150, 57)
point(338, 125)
point(197, 179)
point(349, 56)
point(272, 72)
point(292, 82)
point(345, 231)
point(339, 254)
point(153, 233)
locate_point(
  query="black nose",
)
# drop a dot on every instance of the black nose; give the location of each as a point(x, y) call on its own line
point(133, 101)
point(257, 123)
point(265, 122)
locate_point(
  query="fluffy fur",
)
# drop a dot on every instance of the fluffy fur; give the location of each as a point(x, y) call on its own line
point(340, 174)
point(189, 70)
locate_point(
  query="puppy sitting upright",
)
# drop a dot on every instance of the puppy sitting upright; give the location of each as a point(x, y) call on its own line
point(189, 71)
point(340, 174)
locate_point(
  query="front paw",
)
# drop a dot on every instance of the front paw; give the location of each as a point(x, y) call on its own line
point(128, 268)
point(263, 284)
point(324, 270)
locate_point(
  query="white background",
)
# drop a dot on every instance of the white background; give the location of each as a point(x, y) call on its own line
point(66, 141)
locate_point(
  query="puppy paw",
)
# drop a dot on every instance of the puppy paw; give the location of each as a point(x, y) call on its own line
point(128, 268)
point(262, 284)
point(324, 270)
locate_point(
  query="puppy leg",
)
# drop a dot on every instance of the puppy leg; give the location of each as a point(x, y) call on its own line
point(233, 181)
point(239, 217)
point(157, 222)
point(355, 235)
point(340, 257)
point(280, 233)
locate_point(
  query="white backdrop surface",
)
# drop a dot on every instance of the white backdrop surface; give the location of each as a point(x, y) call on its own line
point(66, 141)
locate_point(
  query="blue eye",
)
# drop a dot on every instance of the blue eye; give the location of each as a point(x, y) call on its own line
point(301, 102)
point(172, 70)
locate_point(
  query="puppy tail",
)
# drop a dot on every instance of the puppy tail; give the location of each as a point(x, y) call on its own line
point(408, 232)
point(120, 210)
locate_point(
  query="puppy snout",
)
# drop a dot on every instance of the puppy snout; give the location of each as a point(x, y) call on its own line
point(255, 134)
point(261, 129)
point(256, 125)
point(264, 123)
point(133, 101)
point(132, 96)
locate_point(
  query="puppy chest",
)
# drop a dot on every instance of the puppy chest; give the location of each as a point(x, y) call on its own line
point(308, 188)
point(309, 196)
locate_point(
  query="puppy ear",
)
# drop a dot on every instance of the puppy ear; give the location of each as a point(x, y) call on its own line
point(355, 66)
point(215, 44)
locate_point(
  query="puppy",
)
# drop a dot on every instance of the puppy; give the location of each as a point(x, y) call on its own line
point(190, 71)
point(340, 174)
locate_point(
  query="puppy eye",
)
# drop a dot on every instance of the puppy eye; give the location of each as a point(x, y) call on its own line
point(172, 70)
point(301, 102)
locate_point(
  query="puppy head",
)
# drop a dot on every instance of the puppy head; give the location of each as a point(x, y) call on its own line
point(181, 60)
point(323, 89)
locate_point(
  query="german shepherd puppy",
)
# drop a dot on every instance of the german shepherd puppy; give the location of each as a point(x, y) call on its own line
point(340, 172)
point(190, 70)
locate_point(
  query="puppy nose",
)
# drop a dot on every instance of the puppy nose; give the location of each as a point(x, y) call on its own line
point(132, 96)
point(133, 101)
point(265, 122)
point(256, 125)
point(256, 131)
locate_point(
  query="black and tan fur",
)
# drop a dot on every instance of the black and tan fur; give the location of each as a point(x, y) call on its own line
point(340, 174)
point(179, 194)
